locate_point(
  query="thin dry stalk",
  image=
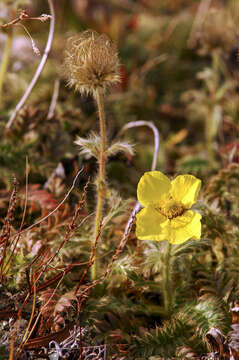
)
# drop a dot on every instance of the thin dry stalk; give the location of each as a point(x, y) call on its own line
point(40, 312)
point(12, 343)
point(25, 336)
point(118, 251)
point(57, 277)
point(92, 258)
point(66, 238)
point(6, 230)
point(19, 313)
point(71, 227)
point(53, 211)
point(39, 69)
point(49, 282)
point(124, 239)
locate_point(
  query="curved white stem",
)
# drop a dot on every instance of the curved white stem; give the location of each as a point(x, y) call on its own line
point(39, 69)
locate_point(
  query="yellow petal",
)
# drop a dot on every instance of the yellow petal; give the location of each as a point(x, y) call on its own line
point(153, 187)
point(185, 189)
point(151, 225)
point(182, 228)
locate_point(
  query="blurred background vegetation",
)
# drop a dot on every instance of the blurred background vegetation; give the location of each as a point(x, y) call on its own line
point(179, 70)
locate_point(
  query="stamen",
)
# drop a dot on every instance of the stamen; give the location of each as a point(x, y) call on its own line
point(171, 210)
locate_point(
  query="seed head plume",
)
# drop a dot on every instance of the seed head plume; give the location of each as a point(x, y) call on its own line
point(91, 62)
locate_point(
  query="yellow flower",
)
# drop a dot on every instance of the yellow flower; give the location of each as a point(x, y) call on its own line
point(166, 214)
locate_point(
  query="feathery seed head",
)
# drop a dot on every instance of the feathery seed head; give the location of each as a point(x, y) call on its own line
point(91, 62)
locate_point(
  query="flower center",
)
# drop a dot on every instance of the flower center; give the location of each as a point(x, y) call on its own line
point(171, 209)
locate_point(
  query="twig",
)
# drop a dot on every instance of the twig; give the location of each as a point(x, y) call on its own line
point(24, 16)
point(54, 100)
point(39, 69)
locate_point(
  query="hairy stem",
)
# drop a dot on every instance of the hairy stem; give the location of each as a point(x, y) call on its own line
point(166, 279)
point(101, 178)
point(100, 105)
point(5, 60)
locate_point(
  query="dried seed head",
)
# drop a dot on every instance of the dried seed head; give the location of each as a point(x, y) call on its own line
point(218, 32)
point(91, 62)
